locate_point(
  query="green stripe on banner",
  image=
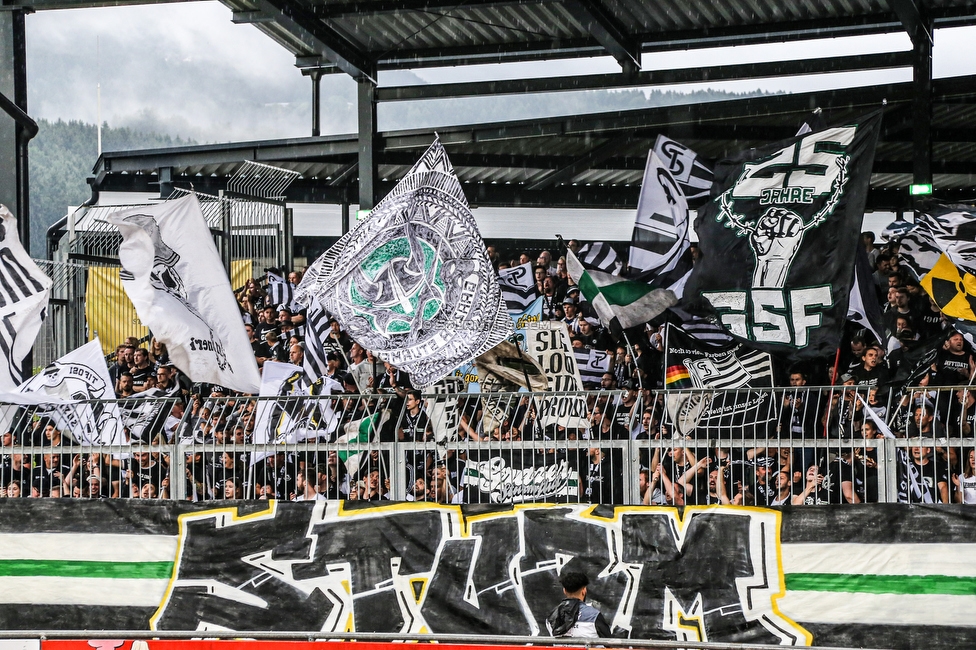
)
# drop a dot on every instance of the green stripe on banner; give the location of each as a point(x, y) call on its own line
point(85, 569)
point(619, 293)
point(881, 584)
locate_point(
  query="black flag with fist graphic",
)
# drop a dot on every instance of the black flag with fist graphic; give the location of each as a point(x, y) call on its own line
point(778, 239)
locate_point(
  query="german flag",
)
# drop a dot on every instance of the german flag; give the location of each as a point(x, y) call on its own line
point(677, 377)
point(952, 289)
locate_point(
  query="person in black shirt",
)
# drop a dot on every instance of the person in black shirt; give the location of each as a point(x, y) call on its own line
point(955, 365)
point(142, 372)
point(415, 427)
point(872, 371)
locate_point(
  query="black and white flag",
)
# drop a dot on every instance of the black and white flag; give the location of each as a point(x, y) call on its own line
point(778, 241)
point(317, 331)
point(659, 249)
point(76, 392)
point(518, 288)
point(863, 306)
point(592, 365)
point(279, 291)
point(730, 371)
point(948, 228)
point(413, 282)
point(600, 256)
point(24, 293)
point(693, 175)
point(173, 275)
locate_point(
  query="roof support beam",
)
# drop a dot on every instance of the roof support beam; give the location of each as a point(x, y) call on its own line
point(319, 37)
point(607, 31)
point(649, 78)
point(607, 150)
point(919, 28)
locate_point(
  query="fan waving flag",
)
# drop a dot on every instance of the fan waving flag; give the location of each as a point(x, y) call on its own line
point(779, 238)
point(615, 299)
point(24, 294)
point(413, 282)
point(174, 278)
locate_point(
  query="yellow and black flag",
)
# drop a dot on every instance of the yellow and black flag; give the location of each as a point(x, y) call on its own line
point(952, 289)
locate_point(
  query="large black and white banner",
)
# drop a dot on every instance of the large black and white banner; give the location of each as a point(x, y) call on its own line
point(24, 293)
point(317, 330)
point(76, 392)
point(518, 287)
point(660, 241)
point(883, 576)
point(413, 282)
point(722, 403)
point(941, 228)
point(692, 174)
point(174, 278)
point(778, 239)
point(592, 364)
point(548, 343)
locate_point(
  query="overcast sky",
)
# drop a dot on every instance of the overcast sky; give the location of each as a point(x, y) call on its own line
point(185, 69)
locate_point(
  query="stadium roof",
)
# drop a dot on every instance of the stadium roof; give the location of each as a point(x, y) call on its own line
point(592, 160)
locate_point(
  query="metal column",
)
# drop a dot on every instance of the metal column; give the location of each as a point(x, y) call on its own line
point(922, 108)
point(345, 217)
point(367, 143)
point(316, 76)
point(14, 191)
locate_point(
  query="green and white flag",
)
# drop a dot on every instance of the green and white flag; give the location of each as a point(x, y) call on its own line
point(630, 303)
point(413, 282)
point(361, 432)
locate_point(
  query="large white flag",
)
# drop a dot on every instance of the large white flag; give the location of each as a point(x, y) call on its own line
point(64, 391)
point(24, 292)
point(174, 278)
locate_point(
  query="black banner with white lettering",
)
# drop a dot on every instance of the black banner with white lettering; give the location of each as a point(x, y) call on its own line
point(779, 236)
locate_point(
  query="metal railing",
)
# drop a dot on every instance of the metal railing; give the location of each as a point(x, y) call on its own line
point(756, 447)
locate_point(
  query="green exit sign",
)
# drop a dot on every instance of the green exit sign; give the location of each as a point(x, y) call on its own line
point(920, 189)
point(362, 215)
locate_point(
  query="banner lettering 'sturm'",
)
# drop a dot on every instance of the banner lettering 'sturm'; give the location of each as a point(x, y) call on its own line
point(174, 277)
point(779, 236)
point(413, 282)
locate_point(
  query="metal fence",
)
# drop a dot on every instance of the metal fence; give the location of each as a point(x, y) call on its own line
point(821, 445)
point(63, 329)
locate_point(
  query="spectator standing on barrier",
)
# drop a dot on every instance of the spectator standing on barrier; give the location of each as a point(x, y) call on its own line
point(573, 617)
point(603, 482)
point(415, 427)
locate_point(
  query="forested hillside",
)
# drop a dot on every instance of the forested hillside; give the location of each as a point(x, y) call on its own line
point(61, 158)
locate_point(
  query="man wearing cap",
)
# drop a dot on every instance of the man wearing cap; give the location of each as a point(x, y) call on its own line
point(570, 315)
point(591, 335)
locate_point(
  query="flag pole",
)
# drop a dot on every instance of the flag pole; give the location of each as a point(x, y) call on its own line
point(633, 357)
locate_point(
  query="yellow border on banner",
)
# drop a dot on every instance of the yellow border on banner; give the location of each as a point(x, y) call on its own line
point(204, 514)
point(680, 517)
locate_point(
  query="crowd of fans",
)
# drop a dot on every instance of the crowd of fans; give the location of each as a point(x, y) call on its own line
point(849, 401)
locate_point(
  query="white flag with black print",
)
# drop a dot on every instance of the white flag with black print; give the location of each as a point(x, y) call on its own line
point(174, 278)
point(76, 393)
point(24, 293)
point(600, 256)
point(693, 175)
point(518, 287)
point(661, 228)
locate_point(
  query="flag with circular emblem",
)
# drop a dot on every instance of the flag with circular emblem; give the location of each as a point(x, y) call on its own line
point(413, 282)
